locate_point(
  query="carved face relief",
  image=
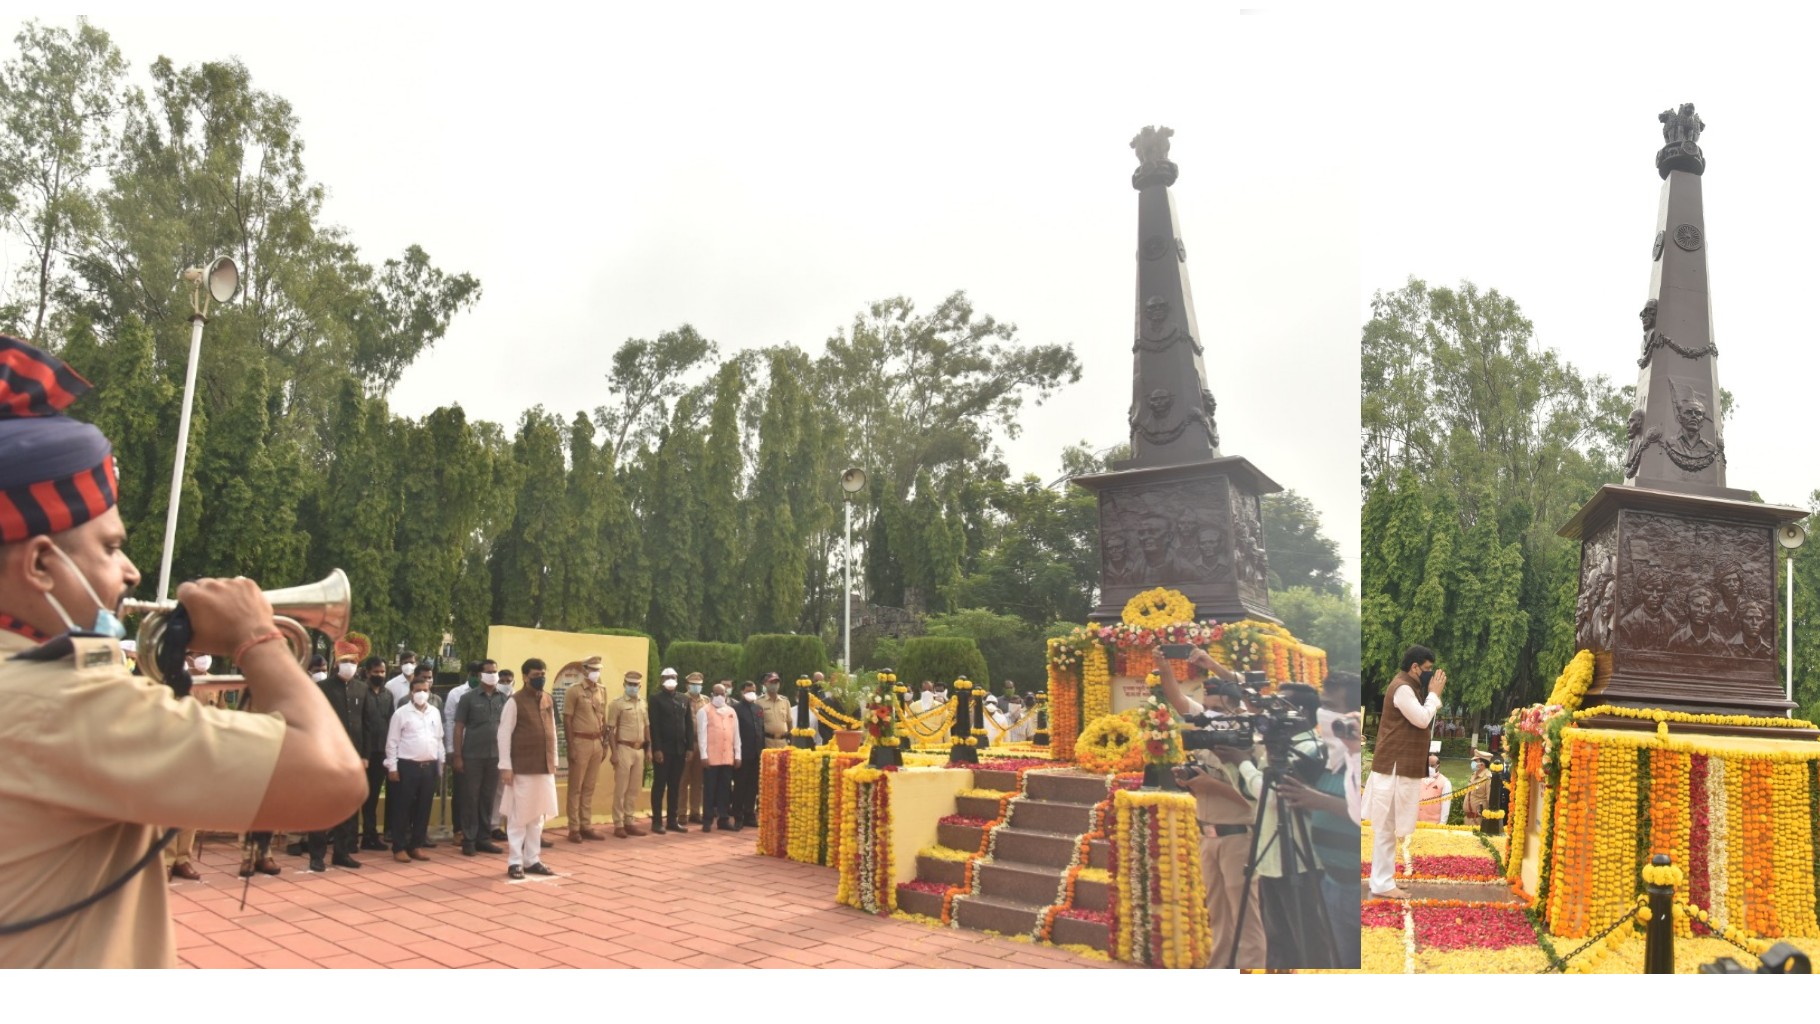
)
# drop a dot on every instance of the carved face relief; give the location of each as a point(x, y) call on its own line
point(1729, 584)
point(1212, 545)
point(1153, 534)
point(1648, 315)
point(1160, 402)
point(1635, 426)
point(1655, 593)
point(1116, 547)
point(1753, 618)
point(1156, 309)
point(1691, 415)
point(1700, 608)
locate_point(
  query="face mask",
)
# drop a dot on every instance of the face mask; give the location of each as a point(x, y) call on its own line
point(772, 689)
point(378, 680)
point(694, 687)
point(536, 682)
point(751, 698)
point(202, 662)
point(319, 676)
point(720, 700)
point(593, 677)
point(490, 678)
point(632, 692)
point(407, 668)
point(106, 622)
point(420, 698)
point(345, 670)
point(669, 684)
point(1426, 676)
point(1431, 771)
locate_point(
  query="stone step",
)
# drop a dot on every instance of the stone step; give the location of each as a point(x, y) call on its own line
point(937, 869)
point(1069, 931)
point(959, 837)
point(1025, 846)
point(988, 778)
point(977, 806)
point(1099, 854)
point(995, 914)
point(1092, 895)
point(1048, 816)
point(1066, 787)
point(915, 901)
point(1023, 883)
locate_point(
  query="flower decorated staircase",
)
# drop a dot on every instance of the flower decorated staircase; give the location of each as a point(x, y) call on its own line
point(1005, 859)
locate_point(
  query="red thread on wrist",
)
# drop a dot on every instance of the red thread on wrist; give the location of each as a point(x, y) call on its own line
point(240, 652)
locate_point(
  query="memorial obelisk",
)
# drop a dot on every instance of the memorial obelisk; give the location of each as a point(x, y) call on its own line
point(1677, 570)
point(1177, 514)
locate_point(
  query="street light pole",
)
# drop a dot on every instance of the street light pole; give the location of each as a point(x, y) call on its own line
point(852, 481)
point(219, 282)
point(1790, 537)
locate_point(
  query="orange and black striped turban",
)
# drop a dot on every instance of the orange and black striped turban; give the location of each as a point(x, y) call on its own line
point(55, 472)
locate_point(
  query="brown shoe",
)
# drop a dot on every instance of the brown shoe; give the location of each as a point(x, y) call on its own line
point(418, 855)
point(589, 833)
point(574, 835)
point(185, 871)
point(619, 831)
point(268, 866)
point(634, 830)
point(402, 857)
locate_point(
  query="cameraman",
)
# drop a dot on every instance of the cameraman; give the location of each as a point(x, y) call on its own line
point(1333, 808)
point(1290, 886)
point(1225, 814)
point(93, 753)
point(1400, 763)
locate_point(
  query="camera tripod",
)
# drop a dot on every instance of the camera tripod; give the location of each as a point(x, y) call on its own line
point(1292, 838)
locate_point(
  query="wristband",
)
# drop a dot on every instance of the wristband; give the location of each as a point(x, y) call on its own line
point(240, 652)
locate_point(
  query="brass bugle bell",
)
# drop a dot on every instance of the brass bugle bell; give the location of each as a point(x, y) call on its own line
point(324, 606)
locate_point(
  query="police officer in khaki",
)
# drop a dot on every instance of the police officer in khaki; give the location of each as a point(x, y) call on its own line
point(584, 720)
point(91, 751)
point(629, 734)
point(777, 712)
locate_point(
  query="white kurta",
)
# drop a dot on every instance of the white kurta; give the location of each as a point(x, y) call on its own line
point(529, 796)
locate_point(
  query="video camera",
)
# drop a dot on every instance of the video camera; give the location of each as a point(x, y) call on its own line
point(1271, 720)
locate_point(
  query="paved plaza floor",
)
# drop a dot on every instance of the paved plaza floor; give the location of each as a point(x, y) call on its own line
point(690, 900)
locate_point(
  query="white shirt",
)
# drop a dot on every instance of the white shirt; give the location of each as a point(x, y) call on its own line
point(450, 705)
point(413, 736)
point(701, 732)
point(399, 687)
point(1419, 715)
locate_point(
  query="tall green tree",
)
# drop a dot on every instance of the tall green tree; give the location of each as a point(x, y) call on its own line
point(1300, 554)
point(776, 564)
point(723, 610)
point(530, 560)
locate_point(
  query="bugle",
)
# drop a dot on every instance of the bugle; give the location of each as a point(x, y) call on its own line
point(324, 606)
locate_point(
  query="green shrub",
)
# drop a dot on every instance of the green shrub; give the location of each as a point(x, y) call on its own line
point(714, 661)
point(652, 667)
point(787, 654)
point(942, 659)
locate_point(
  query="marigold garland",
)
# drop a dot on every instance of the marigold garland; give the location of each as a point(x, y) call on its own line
point(800, 803)
point(1570, 688)
point(1154, 609)
point(1111, 744)
point(1157, 895)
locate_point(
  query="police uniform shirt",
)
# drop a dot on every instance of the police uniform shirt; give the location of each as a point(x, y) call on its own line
point(90, 750)
point(779, 715)
point(626, 721)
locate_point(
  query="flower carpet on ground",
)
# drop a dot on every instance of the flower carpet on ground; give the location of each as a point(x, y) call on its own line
point(1457, 923)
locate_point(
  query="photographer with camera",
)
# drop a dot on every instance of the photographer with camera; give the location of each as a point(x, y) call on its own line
point(94, 753)
point(1225, 813)
point(1333, 806)
point(1399, 763)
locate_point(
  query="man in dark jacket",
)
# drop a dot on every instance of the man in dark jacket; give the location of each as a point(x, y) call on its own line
point(476, 750)
point(348, 699)
point(752, 740)
point(375, 719)
point(672, 737)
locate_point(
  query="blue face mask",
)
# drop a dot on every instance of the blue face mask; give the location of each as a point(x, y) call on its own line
point(106, 622)
point(695, 688)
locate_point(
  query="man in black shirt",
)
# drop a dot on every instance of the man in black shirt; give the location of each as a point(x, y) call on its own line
point(672, 737)
point(376, 718)
point(349, 705)
point(752, 741)
point(476, 751)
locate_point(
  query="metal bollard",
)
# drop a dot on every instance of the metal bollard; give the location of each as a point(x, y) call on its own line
point(1659, 934)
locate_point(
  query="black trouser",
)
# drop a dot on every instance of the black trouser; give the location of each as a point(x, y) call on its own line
point(1278, 900)
point(476, 791)
point(666, 778)
point(343, 835)
point(717, 792)
point(408, 802)
point(745, 789)
point(369, 813)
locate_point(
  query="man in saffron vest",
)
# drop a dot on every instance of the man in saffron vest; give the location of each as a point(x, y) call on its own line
point(527, 772)
point(1400, 763)
point(1437, 788)
point(718, 748)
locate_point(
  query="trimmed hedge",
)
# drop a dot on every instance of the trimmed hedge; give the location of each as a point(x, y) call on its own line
point(942, 659)
point(652, 668)
point(787, 654)
point(714, 661)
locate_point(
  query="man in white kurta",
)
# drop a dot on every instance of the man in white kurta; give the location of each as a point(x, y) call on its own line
point(527, 772)
point(1400, 763)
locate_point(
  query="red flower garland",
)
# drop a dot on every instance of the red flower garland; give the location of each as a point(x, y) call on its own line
point(1699, 884)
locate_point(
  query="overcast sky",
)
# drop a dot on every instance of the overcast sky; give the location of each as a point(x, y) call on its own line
point(1528, 164)
point(764, 174)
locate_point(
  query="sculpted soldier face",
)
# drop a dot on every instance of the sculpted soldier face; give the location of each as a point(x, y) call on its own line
point(1153, 533)
point(1648, 315)
point(1692, 415)
point(1116, 547)
point(1699, 607)
point(1211, 544)
point(1655, 593)
point(1730, 583)
point(1753, 618)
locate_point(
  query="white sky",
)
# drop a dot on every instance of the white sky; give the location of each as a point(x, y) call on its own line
point(764, 174)
point(1522, 157)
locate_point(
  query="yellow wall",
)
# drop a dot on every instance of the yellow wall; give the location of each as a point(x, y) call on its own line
point(511, 645)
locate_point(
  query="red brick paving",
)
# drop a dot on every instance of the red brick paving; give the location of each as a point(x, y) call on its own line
point(691, 900)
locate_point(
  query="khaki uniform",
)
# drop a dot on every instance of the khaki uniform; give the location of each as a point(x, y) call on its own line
point(691, 781)
point(779, 718)
point(1223, 860)
point(584, 719)
point(89, 751)
point(626, 728)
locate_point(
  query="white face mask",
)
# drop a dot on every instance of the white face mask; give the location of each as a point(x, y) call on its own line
point(720, 700)
point(1431, 771)
point(751, 698)
point(593, 677)
point(669, 684)
point(420, 698)
point(319, 676)
point(202, 662)
point(407, 668)
point(490, 678)
point(345, 670)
